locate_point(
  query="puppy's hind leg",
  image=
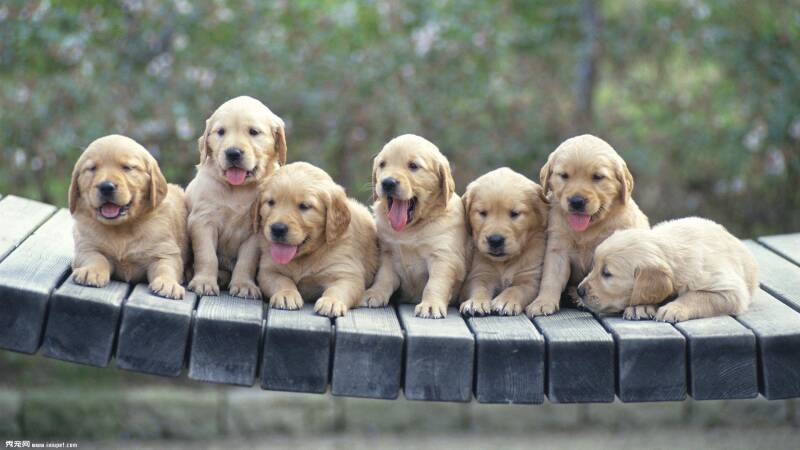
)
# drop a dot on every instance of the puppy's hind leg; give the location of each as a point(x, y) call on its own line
point(698, 304)
point(244, 273)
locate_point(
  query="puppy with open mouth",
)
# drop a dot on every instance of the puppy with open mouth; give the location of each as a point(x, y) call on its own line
point(243, 142)
point(588, 186)
point(507, 217)
point(315, 242)
point(129, 222)
point(424, 244)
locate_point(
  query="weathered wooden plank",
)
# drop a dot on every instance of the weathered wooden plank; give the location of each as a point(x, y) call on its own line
point(580, 357)
point(777, 330)
point(439, 357)
point(154, 332)
point(19, 217)
point(82, 322)
point(368, 354)
point(786, 245)
point(297, 351)
point(225, 340)
point(509, 360)
point(722, 358)
point(778, 276)
point(651, 360)
point(27, 278)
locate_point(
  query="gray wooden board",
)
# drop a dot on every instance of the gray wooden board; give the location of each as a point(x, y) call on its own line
point(786, 245)
point(580, 357)
point(297, 351)
point(226, 339)
point(778, 276)
point(368, 354)
point(439, 357)
point(82, 322)
point(777, 330)
point(19, 217)
point(722, 358)
point(27, 278)
point(154, 332)
point(509, 360)
point(651, 360)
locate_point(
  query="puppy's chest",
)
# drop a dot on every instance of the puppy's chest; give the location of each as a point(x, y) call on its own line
point(130, 260)
point(410, 265)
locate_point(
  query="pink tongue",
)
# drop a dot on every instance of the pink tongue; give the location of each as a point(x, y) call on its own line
point(398, 214)
point(579, 222)
point(282, 253)
point(235, 175)
point(110, 210)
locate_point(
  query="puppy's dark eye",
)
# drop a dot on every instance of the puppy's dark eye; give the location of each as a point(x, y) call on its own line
point(514, 214)
point(605, 273)
point(221, 132)
point(564, 176)
point(597, 177)
point(254, 132)
point(271, 202)
point(382, 164)
point(304, 206)
point(482, 213)
point(413, 166)
point(127, 168)
point(91, 168)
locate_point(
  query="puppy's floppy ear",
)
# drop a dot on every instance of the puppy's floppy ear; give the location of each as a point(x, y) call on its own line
point(337, 216)
point(447, 185)
point(539, 204)
point(255, 216)
point(652, 284)
point(74, 189)
point(158, 184)
point(279, 136)
point(466, 199)
point(202, 143)
point(544, 178)
point(625, 182)
point(375, 179)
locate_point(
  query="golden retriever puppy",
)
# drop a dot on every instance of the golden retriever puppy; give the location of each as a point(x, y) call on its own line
point(589, 190)
point(129, 222)
point(425, 248)
point(508, 220)
point(315, 242)
point(243, 143)
point(710, 270)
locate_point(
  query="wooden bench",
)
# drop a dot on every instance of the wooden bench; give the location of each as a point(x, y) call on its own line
point(572, 356)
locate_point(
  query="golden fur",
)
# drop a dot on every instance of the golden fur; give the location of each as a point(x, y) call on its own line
point(588, 167)
point(710, 270)
point(224, 245)
point(427, 259)
point(337, 253)
point(147, 239)
point(505, 278)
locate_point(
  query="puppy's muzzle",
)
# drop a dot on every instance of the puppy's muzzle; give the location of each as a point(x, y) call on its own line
point(107, 189)
point(496, 243)
point(279, 230)
point(577, 203)
point(234, 155)
point(389, 185)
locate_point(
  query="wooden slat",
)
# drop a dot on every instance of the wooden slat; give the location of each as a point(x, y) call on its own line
point(225, 340)
point(82, 323)
point(651, 360)
point(786, 245)
point(368, 354)
point(19, 217)
point(154, 332)
point(580, 357)
point(778, 276)
point(439, 357)
point(777, 330)
point(509, 360)
point(27, 278)
point(722, 358)
point(297, 351)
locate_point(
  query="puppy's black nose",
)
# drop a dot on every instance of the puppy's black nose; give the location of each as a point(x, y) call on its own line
point(577, 203)
point(581, 292)
point(495, 240)
point(233, 154)
point(106, 188)
point(389, 184)
point(278, 229)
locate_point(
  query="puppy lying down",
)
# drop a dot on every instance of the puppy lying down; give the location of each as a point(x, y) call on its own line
point(635, 271)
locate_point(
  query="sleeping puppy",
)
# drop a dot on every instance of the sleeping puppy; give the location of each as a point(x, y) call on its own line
point(129, 222)
point(710, 270)
point(589, 189)
point(508, 221)
point(424, 244)
point(315, 242)
point(243, 142)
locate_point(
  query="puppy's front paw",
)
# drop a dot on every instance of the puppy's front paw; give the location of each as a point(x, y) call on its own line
point(286, 299)
point(507, 304)
point(476, 307)
point(375, 299)
point(672, 312)
point(541, 307)
point(245, 289)
point(329, 306)
point(640, 312)
point(167, 287)
point(430, 310)
point(89, 276)
point(202, 285)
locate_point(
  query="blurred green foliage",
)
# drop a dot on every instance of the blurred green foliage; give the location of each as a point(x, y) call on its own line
point(701, 97)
